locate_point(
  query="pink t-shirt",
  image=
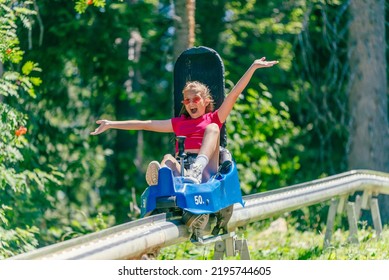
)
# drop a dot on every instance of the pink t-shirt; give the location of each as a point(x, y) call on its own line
point(194, 129)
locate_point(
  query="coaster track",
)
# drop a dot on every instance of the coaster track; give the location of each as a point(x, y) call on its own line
point(134, 239)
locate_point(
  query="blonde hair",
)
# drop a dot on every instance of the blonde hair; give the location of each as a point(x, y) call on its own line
point(204, 92)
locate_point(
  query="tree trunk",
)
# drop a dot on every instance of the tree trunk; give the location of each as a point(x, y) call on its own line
point(368, 100)
point(184, 25)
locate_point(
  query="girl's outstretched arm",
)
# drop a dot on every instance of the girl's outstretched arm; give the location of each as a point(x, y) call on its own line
point(151, 125)
point(231, 98)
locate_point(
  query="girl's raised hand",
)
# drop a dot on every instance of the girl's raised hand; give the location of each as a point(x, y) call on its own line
point(262, 63)
point(104, 125)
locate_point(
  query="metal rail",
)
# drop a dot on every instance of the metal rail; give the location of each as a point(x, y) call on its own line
point(265, 205)
point(127, 241)
point(134, 239)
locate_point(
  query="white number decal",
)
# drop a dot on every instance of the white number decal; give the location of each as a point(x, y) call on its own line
point(198, 199)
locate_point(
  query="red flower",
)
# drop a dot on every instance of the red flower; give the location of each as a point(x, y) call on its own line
point(8, 51)
point(22, 130)
point(89, 2)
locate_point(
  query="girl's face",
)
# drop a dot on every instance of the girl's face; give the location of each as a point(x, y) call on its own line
point(194, 103)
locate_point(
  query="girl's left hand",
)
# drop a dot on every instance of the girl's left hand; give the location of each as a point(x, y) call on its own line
point(262, 63)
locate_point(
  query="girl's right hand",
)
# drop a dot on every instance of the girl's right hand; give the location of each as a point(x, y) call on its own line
point(104, 125)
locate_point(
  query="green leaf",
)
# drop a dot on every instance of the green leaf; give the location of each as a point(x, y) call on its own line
point(28, 67)
point(36, 81)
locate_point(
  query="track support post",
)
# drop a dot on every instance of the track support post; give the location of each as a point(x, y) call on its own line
point(229, 246)
point(368, 201)
point(330, 222)
point(375, 214)
point(352, 222)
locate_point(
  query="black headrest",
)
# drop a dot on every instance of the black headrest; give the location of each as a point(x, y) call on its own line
point(204, 65)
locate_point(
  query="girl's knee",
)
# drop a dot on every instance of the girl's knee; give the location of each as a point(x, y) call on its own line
point(169, 161)
point(167, 157)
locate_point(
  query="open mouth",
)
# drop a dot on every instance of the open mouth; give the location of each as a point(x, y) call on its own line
point(193, 110)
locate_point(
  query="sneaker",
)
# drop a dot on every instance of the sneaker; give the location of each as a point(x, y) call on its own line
point(152, 173)
point(195, 173)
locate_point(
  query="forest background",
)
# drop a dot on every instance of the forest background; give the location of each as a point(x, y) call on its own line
point(64, 64)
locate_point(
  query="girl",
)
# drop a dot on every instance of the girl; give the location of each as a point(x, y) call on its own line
point(198, 122)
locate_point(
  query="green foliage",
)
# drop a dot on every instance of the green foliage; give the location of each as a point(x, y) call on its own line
point(9, 49)
point(87, 78)
point(17, 241)
point(264, 137)
point(11, 81)
point(307, 245)
point(87, 181)
point(82, 5)
point(319, 87)
point(24, 185)
point(308, 38)
point(186, 251)
point(113, 60)
point(268, 241)
point(261, 141)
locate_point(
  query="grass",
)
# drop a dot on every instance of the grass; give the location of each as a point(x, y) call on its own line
point(282, 241)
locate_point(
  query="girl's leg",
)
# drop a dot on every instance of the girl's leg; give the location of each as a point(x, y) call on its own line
point(205, 165)
point(207, 162)
point(171, 162)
